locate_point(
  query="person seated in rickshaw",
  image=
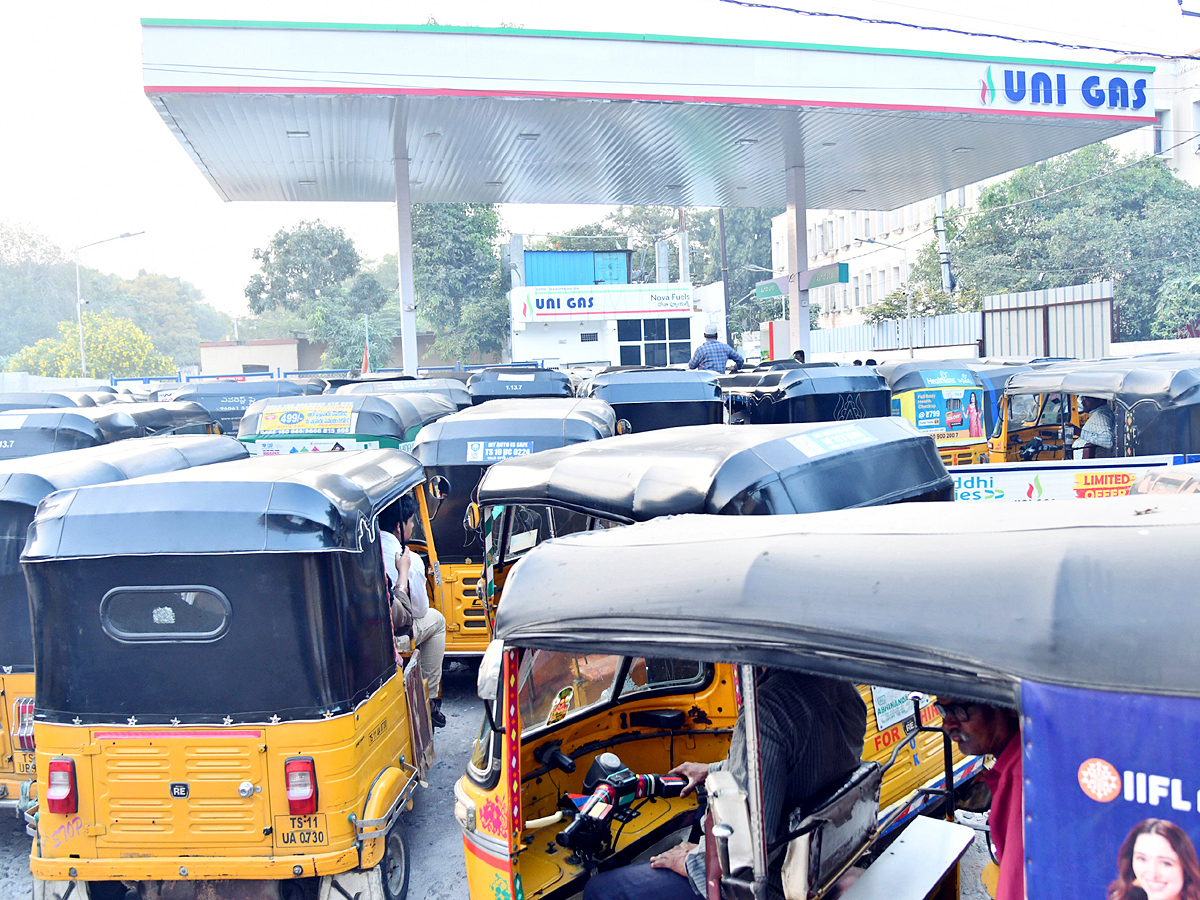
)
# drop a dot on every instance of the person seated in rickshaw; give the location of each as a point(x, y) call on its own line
point(982, 730)
point(1098, 435)
point(811, 731)
point(406, 576)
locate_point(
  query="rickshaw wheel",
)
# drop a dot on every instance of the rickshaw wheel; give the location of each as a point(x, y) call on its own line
point(394, 866)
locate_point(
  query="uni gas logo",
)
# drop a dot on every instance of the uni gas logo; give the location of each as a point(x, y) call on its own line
point(1045, 88)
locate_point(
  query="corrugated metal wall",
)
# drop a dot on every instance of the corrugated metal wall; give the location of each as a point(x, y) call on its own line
point(927, 331)
point(551, 268)
point(1072, 321)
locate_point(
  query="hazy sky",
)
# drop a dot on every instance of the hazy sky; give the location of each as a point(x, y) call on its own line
point(84, 156)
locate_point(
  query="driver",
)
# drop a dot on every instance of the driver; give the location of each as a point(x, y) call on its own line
point(811, 731)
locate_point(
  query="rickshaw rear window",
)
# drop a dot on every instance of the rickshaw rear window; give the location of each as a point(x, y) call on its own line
point(165, 614)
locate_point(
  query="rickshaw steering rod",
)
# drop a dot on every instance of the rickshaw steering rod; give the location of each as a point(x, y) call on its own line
point(588, 833)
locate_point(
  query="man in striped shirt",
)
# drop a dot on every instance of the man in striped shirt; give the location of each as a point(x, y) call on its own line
point(810, 731)
point(713, 355)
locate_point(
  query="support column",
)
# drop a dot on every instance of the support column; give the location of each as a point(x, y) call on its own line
point(408, 298)
point(797, 258)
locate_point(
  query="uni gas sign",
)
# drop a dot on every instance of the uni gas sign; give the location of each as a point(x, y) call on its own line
point(1032, 88)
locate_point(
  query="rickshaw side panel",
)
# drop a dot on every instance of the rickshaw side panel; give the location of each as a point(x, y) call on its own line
point(653, 416)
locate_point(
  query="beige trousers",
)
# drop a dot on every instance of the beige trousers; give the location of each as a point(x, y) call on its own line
point(429, 635)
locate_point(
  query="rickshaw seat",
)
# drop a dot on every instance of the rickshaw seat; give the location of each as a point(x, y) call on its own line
point(828, 831)
point(915, 863)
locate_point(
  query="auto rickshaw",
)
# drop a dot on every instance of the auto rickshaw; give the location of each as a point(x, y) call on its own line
point(654, 712)
point(455, 391)
point(31, 432)
point(1155, 403)
point(339, 422)
point(23, 484)
point(659, 398)
point(806, 393)
point(1095, 649)
point(456, 451)
point(228, 400)
point(505, 382)
point(173, 417)
point(218, 697)
point(946, 400)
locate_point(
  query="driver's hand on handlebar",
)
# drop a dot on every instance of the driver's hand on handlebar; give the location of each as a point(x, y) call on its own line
point(694, 772)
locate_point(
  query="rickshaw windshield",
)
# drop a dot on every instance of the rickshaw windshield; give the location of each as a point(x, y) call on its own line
point(526, 526)
point(553, 686)
point(1022, 412)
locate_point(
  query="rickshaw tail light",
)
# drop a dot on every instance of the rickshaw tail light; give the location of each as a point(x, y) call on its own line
point(22, 733)
point(62, 798)
point(301, 785)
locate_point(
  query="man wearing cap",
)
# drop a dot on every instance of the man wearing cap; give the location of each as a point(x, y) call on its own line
point(712, 355)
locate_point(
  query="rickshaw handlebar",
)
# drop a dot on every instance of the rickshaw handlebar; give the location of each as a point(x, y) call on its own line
point(619, 790)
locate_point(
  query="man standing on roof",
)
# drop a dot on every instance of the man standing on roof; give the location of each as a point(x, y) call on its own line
point(981, 730)
point(713, 355)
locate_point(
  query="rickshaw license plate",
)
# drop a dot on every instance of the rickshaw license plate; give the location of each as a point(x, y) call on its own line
point(302, 831)
point(24, 763)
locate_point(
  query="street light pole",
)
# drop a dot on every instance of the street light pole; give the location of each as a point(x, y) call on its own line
point(907, 289)
point(79, 293)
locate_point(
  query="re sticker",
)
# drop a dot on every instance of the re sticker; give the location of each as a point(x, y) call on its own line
point(301, 831)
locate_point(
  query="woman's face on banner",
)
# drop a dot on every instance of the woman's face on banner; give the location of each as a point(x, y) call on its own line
point(1156, 867)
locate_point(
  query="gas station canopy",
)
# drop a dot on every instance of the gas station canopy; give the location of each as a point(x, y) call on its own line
point(298, 111)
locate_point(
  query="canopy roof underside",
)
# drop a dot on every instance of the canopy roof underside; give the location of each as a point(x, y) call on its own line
point(307, 112)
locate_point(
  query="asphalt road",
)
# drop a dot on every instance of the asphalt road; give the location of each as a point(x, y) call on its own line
point(433, 836)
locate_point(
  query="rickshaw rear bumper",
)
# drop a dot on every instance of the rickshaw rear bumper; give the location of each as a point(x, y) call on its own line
point(193, 868)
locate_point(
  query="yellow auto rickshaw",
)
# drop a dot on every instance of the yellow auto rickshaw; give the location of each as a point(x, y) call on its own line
point(218, 697)
point(558, 711)
point(456, 451)
point(946, 400)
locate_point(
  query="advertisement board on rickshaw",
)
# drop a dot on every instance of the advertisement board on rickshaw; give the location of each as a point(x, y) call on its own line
point(947, 401)
point(1083, 479)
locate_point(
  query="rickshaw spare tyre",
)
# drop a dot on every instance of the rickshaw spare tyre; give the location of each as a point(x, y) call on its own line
point(394, 866)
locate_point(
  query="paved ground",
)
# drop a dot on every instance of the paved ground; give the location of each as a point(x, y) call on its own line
point(434, 840)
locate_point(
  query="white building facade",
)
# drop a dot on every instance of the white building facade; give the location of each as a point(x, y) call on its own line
point(617, 324)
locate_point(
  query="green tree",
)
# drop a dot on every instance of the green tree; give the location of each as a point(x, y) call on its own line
point(1178, 312)
point(170, 311)
point(113, 346)
point(312, 278)
point(301, 264)
point(456, 274)
point(1086, 216)
point(926, 301)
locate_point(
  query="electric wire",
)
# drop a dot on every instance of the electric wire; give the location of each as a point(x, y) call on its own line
point(866, 20)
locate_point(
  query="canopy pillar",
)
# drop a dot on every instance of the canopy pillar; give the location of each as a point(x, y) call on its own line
point(408, 297)
point(797, 258)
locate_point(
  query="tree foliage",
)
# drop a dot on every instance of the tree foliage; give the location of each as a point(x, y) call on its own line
point(456, 272)
point(113, 345)
point(37, 292)
point(300, 265)
point(926, 301)
point(1086, 216)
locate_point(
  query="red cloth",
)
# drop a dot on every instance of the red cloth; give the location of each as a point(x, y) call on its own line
point(366, 363)
point(1007, 819)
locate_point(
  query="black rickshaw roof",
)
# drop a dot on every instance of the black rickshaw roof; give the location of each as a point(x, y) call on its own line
point(715, 468)
point(647, 385)
point(25, 481)
point(44, 400)
point(451, 388)
point(100, 424)
point(154, 418)
point(287, 503)
point(383, 415)
point(251, 390)
point(538, 423)
point(803, 381)
point(1169, 381)
point(961, 599)
point(919, 374)
point(512, 381)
